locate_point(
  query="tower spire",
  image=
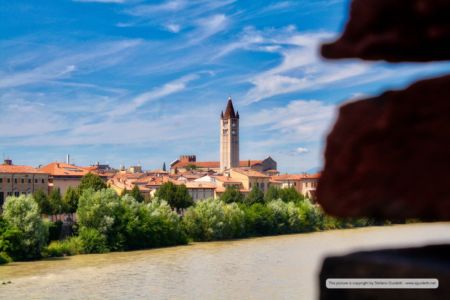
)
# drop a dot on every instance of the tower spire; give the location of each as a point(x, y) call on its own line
point(229, 111)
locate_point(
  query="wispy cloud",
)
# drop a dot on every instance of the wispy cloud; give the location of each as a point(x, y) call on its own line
point(169, 88)
point(298, 121)
point(66, 63)
point(101, 1)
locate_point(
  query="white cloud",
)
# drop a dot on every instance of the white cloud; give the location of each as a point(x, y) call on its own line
point(175, 28)
point(66, 62)
point(155, 94)
point(301, 150)
point(299, 121)
point(207, 27)
point(101, 1)
point(149, 9)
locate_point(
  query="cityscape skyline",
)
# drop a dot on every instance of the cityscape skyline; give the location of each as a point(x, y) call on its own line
point(127, 82)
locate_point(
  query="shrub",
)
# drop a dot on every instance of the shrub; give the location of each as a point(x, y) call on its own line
point(27, 234)
point(213, 220)
point(68, 247)
point(151, 225)
point(96, 209)
point(4, 258)
point(259, 220)
point(93, 241)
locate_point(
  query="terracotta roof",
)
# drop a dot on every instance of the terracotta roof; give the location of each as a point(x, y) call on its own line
point(11, 169)
point(63, 169)
point(250, 173)
point(284, 177)
point(199, 185)
point(157, 171)
point(226, 179)
point(213, 164)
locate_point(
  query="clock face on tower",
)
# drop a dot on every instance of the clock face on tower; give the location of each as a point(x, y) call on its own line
point(233, 132)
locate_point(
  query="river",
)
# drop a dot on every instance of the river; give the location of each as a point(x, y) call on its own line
point(280, 267)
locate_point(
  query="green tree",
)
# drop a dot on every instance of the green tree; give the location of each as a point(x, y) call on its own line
point(176, 195)
point(136, 194)
point(232, 195)
point(273, 193)
point(96, 209)
point(255, 196)
point(212, 219)
point(291, 195)
point(55, 201)
point(70, 200)
point(91, 181)
point(41, 199)
point(27, 234)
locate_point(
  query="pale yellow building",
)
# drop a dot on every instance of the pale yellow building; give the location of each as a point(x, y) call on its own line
point(20, 180)
point(250, 178)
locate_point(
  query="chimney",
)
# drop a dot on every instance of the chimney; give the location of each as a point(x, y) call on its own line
point(7, 162)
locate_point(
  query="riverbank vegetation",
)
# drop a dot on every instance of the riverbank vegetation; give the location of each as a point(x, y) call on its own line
point(109, 222)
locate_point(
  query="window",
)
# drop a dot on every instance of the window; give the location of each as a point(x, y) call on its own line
point(250, 185)
point(15, 180)
point(1, 180)
point(9, 193)
point(35, 180)
point(17, 194)
point(22, 180)
point(29, 180)
point(2, 198)
point(43, 181)
point(8, 180)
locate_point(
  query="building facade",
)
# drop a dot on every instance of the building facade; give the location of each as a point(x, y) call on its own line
point(20, 180)
point(229, 138)
point(63, 175)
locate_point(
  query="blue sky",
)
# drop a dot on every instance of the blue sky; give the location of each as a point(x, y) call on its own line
point(128, 82)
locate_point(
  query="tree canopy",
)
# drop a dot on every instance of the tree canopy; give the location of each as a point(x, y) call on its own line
point(136, 194)
point(176, 195)
point(26, 234)
point(232, 194)
point(255, 196)
point(91, 181)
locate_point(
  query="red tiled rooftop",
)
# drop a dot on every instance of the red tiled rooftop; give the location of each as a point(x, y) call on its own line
point(213, 164)
point(63, 169)
point(10, 169)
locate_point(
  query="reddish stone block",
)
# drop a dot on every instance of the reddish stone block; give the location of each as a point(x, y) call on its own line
point(400, 30)
point(389, 156)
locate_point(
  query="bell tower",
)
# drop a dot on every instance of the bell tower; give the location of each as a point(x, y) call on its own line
point(229, 138)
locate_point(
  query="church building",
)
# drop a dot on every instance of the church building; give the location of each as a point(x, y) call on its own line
point(229, 151)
